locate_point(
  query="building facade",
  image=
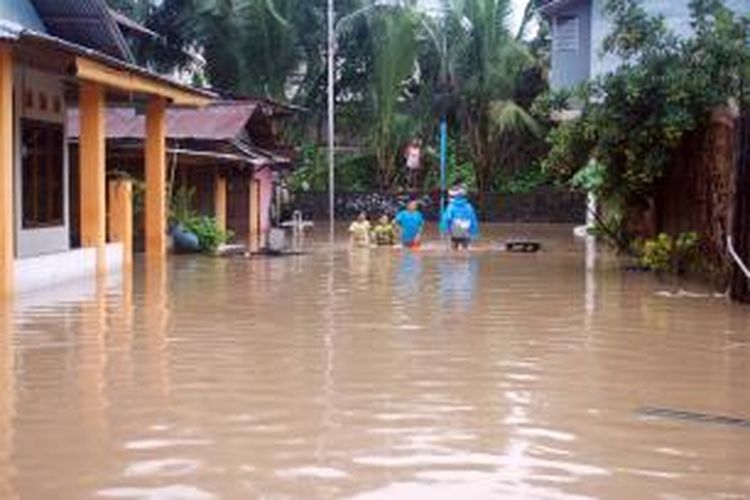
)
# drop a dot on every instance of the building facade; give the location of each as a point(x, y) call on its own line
point(579, 28)
point(229, 153)
point(53, 56)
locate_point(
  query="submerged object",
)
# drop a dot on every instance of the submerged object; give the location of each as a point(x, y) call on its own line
point(692, 416)
point(523, 246)
point(278, 245)
point(185, 241)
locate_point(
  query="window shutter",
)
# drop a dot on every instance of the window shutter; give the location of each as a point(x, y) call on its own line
point(566, 34)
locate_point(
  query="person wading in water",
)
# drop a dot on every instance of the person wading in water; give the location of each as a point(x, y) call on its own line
point(410, 223)
point(460, 219)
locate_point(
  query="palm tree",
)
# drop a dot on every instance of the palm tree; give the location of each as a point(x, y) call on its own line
point(394, 31)
point(481, 62)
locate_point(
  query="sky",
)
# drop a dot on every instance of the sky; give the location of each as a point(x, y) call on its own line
point(518, 7)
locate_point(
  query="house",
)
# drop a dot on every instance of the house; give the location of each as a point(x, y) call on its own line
point(704, 189)
point(228, 152)
point(579, 28)
point(53, 56)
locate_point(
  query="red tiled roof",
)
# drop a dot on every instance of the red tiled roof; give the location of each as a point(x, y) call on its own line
point(222, 121)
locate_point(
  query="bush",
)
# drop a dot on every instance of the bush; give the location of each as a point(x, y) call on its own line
point(668, 254)
point(210, 236)
point(208, 232)
point(635, 119)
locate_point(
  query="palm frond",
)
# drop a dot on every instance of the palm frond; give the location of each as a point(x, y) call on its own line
point(508, 116)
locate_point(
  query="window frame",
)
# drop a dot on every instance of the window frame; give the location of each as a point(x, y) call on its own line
point(42, 187)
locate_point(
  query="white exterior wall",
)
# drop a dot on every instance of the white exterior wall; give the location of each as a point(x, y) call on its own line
point(676, 16)
point(45, 271)
point(39, 241)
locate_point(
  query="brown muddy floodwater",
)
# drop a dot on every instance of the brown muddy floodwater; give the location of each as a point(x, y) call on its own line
point(380, 374)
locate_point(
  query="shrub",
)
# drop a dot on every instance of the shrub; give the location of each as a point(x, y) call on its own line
point(668, 254)
point(635, 119)
point(208, 232)
point(205, 228)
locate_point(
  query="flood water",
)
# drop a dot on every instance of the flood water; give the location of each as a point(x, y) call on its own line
point(376, 374)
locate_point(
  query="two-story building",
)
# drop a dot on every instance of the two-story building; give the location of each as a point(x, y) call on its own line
point(579, 28)
point(702, 189)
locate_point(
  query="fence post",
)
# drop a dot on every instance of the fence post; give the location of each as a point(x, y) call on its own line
point(121, 217)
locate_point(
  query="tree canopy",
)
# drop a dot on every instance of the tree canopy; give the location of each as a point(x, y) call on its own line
point(398, 69)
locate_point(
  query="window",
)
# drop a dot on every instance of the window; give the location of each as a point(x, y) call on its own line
point(566, 34)
point(42, 176)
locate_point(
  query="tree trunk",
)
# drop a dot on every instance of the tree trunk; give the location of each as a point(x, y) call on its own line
point(740, 287)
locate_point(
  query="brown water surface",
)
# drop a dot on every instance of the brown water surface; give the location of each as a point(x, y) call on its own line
point(375, 374)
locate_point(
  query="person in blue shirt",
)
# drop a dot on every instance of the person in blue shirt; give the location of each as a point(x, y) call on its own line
point(410, 223)
point(460, 220)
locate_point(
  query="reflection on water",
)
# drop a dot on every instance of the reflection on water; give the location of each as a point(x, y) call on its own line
point(374, 374)
point(458, 280)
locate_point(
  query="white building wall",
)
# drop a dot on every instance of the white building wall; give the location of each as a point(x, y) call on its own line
point(39, 241)
point(46, 271)
point(676, 16)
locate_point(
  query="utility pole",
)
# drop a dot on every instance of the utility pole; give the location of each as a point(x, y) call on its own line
point(331, 118)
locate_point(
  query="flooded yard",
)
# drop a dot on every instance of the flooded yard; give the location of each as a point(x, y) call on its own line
point(377, 374)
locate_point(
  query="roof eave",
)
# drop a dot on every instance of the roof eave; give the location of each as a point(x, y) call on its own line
point(93, 65)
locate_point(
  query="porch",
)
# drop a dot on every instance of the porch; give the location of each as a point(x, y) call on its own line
point(226, 155)
point(41, 77)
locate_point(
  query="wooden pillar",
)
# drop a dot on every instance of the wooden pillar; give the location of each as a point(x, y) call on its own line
point(121, 217)
point(156, 178)
point(92, 165)
point(220, 201)
point(8, 398)
point(6, 172)
point(253, 232)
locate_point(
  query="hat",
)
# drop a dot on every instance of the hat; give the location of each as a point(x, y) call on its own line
point(457, 190)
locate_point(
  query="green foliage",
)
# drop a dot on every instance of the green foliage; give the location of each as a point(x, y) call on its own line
point(457, 167)
point(181, 212)
point(524, 181)
point(670, 254)
point(634, 120)
point(355, 173)
point(397, 71)
point(487, 66)
point(181, 205)
point(210, 236)
point(591, 177)
point(394, 59)
point(311, 173)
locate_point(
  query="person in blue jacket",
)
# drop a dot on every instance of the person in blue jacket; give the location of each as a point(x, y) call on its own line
point(460, 219)
point(410, 223)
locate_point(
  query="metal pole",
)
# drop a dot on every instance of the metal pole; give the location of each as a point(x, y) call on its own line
point(443, 161)
point(331, 118)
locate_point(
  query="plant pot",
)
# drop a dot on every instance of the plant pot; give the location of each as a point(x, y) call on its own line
point(185, 241)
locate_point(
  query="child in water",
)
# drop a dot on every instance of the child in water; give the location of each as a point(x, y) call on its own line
point(359, 232)
point(384, 233)
point(410, 223)
point(459, 219)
